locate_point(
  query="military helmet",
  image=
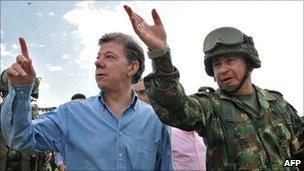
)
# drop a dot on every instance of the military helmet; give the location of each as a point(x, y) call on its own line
point(4, 85)
point(3, 82)
point(35, 90)
point(229, 40)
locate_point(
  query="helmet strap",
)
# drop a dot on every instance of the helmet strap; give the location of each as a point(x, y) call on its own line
point(239, 86)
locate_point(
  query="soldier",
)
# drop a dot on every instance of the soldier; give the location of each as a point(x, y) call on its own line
point(3, 147)
point(244, 126)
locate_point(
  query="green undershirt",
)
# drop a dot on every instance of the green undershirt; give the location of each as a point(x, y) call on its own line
point(250, 101)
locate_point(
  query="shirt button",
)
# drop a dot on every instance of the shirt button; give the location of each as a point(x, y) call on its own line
point(120, 133)
point(119, 154)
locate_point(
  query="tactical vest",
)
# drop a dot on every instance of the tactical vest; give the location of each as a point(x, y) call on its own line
point(227, 116)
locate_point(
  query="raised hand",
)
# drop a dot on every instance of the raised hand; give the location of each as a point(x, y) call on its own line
point(21, 72)
point(154, 36)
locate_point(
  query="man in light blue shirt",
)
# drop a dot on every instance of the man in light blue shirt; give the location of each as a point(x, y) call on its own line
point(112, 131)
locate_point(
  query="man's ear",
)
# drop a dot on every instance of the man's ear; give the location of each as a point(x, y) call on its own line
point(133, 68)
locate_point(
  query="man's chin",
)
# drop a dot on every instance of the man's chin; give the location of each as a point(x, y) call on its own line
point(101, 86)
point(228, 88)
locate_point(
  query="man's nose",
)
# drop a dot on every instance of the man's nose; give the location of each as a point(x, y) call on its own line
point(223, 69)
point(100, 63)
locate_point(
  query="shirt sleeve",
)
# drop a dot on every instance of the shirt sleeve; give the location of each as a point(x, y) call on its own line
point(168, 98)
point(298, 129)
point(23, 133)
point(164, 152)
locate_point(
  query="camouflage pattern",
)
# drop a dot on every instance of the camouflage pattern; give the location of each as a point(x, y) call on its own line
point(3, 149)
point(3, 152)
point(245, 48)
point(35, 111)
point(262, 140)
point(43, 163)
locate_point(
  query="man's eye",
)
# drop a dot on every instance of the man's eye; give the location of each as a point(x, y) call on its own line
point(142, 92)
point(231, 60)
point(216, 64)
point(110, 56)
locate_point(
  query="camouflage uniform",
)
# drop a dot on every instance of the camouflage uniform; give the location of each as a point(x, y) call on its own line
point(3, 149)
point(261, 141)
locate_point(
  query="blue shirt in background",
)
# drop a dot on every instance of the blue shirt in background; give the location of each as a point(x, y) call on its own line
point(87, 134)
point(58, 159)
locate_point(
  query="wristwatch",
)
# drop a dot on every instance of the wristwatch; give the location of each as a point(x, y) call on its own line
point(154, 54)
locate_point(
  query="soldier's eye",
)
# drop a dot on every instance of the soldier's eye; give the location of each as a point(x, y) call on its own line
point(216, 64)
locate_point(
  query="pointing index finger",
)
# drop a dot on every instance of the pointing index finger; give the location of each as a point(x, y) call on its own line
point(23, 47)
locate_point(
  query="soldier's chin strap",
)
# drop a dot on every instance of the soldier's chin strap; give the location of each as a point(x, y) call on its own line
point(238, 87)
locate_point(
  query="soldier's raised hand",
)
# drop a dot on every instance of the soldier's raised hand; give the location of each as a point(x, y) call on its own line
point(21, 72)
point(154, 36)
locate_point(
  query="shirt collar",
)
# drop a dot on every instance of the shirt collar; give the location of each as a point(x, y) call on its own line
point(261, 94)
point(265, 94)
point(133, 102)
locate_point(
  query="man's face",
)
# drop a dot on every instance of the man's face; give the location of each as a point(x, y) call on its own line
point(140, 90)
point(112, 67)
point(229, 71)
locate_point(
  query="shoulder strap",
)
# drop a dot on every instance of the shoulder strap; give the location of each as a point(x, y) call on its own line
point(228, 116)
point(287, 117)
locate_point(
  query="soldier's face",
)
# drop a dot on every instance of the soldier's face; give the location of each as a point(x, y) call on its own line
point(140, 90)
point(229, 70)
point(112, 66)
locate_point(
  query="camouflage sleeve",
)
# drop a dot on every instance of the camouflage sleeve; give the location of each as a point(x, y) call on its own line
point(297, 123)
point(169, 100)
point(298, 127)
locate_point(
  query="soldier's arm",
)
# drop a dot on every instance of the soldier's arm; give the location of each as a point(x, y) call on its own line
point(169, 100)
point(297, 123)
point(20, 132)
point(298, 129)
point(165, 92)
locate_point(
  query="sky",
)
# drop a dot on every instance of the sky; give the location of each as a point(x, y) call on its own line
point(62, 38)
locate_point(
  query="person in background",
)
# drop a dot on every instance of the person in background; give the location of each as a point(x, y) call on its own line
point(78, 96)
point(188, 148)
point(58, 161)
